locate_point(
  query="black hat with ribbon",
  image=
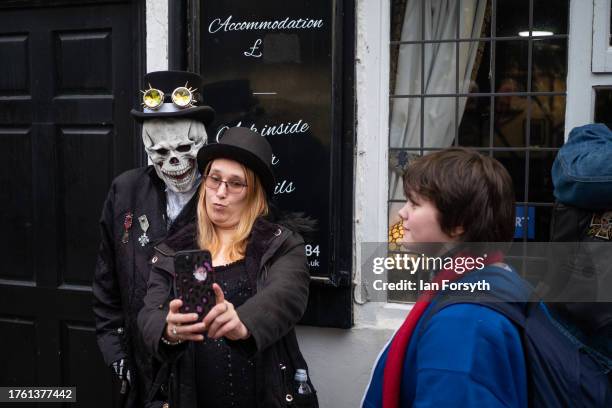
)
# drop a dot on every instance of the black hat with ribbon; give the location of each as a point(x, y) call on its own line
point(246, 147)
point(173, 94)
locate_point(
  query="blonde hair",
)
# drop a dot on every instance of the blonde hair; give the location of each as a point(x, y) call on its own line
point(256, 205)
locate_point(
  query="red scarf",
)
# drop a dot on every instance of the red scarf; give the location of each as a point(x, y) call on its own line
point(392, 376)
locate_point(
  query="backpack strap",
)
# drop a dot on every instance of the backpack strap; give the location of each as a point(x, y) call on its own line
point(510, 296)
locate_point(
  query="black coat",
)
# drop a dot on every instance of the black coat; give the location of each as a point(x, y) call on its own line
point(122, 270)
point(276, 261)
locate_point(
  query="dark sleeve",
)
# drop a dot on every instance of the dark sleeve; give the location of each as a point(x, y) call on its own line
point(107, 308)
point(152, 317)
point(280, 304)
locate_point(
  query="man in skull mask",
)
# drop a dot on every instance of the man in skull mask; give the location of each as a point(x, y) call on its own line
point(142, 207)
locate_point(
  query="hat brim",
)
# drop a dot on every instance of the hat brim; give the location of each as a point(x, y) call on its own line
point(219, 150)
point(204, 114)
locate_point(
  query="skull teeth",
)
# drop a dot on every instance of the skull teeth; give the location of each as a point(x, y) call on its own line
point(177, 173)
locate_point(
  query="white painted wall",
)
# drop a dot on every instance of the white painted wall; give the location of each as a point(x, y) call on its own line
point(157, 35)
point(341, 360)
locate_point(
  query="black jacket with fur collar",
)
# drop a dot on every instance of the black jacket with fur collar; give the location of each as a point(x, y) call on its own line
point(276, 261)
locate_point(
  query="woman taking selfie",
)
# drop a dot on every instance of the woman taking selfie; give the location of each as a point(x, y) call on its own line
point(244, 352)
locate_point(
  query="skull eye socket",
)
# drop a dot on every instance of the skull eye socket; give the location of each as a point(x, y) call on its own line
point(162, 151)
point(183, 148)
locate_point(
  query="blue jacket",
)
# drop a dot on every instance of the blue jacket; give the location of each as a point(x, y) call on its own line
point(468, 356)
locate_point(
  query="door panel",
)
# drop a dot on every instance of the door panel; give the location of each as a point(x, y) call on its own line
point(67, 84)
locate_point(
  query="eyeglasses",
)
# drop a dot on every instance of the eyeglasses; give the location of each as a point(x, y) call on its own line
point(232, 186)
point(182, 97)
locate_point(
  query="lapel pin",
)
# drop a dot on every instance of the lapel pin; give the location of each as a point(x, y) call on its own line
point(127, 224)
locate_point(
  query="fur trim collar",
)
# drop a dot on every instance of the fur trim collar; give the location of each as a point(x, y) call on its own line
point(263, 231)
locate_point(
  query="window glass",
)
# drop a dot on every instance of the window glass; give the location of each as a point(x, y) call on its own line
point(511, 66)
point(547, 122)
point(408, 56)
point(469, 21)
point(405, 123)
point(549, 66)
point(398, 161)
point(475, 122)
point(603, 102)
point(440, 68)
point(550, 16)
point(540, 179)
point(512, 17)
point(514, 162)
point(510, 118)
point(439, 121)
point(398, 11)
point(479, 80)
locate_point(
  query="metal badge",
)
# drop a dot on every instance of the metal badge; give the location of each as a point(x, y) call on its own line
point(127, 224)
point(144, 224)
point(601, 226)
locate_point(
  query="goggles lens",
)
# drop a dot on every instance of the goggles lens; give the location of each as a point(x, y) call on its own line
point(153, 98)
point(182, 97)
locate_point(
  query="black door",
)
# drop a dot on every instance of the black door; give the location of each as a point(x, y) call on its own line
point(68, 78)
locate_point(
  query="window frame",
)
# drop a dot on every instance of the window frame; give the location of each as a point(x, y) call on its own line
point(601, 57)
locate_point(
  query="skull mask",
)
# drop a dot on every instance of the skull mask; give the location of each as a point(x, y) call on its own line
point(172, 146)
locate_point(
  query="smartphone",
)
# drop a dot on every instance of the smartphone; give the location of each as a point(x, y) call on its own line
point(193, 281)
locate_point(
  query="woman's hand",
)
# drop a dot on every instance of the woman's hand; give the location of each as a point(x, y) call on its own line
point(222, 320)
point(180, 326)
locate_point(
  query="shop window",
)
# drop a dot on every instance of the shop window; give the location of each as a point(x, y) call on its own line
point(490, 75)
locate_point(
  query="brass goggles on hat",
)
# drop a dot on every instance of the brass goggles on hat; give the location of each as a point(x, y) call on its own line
point(182, 97)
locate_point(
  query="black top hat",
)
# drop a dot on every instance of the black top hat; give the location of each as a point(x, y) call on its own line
point(167, 82)
point(244, 146)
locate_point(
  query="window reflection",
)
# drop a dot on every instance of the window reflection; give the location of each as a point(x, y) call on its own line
point(547, 121)
point(540, 179)
point(549, 65)
point(481, 68)
point(475, 122)
point(509, 123)
point(514, 162)
point(511, 66)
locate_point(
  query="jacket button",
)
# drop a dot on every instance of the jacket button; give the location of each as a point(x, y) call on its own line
point(278, 232)
point(154, 259)
point(161, 306)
